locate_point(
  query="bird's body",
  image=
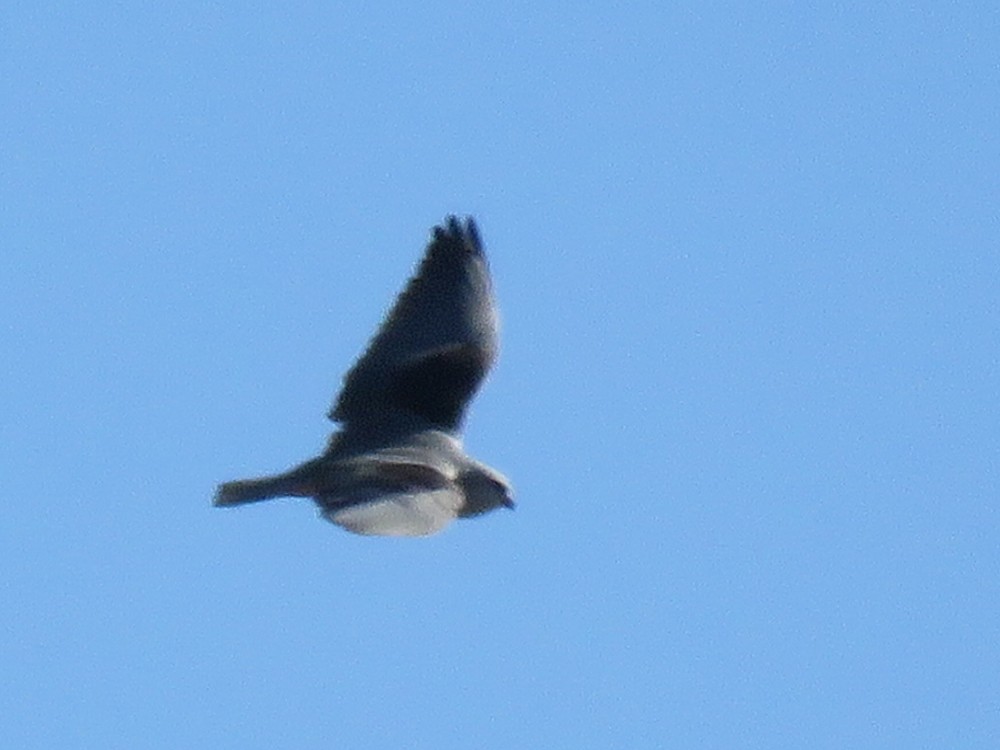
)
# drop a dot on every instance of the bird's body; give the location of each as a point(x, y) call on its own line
point(397, 466)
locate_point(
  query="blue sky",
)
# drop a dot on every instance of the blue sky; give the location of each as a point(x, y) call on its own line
point(747, 260)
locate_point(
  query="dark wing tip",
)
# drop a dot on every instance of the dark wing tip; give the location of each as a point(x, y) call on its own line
point(453, 231)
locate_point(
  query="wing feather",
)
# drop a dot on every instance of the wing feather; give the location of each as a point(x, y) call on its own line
point(436, 344)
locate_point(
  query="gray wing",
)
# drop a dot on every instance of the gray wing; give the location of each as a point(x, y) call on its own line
point(435, 346)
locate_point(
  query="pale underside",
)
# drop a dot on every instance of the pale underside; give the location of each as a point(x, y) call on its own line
point(399, 513)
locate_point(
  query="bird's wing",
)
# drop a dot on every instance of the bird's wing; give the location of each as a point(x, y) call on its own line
point(435, 346)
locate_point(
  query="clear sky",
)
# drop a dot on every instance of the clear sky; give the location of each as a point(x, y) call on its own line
point(748, 260)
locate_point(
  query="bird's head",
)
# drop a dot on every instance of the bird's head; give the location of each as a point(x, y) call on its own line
point(485, 489)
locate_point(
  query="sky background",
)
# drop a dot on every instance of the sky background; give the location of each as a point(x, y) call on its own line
point(748, 261)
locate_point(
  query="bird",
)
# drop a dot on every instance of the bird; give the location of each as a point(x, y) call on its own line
point(396, 466)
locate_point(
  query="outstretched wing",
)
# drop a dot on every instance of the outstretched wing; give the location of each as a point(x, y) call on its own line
point(435, 346)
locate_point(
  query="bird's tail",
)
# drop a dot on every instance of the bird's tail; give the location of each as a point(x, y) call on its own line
point(299, 482)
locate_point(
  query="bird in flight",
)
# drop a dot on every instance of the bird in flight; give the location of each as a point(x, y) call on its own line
point(396, 467)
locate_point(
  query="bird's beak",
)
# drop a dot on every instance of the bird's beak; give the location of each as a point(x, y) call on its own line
point(508, 502)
